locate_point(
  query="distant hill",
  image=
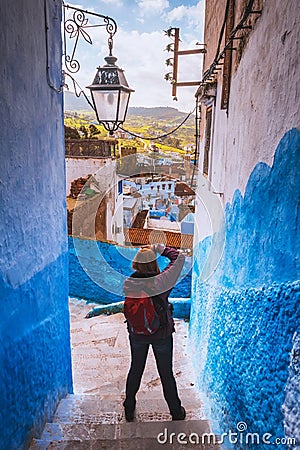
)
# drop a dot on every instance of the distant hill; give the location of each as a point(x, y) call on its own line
point(79, 104)
point(76, 104)
point(143, 121)
point(159, 112)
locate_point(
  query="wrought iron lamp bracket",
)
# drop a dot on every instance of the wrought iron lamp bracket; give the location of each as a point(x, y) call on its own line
point(76, 27)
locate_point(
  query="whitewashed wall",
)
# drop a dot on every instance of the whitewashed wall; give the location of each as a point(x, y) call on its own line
point(81, 167)
point(117, 220)
point(104, 171)
point(264, 99)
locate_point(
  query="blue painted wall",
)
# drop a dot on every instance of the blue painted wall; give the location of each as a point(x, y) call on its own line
point(35, 362)
point(99, 272)
point(244, 317)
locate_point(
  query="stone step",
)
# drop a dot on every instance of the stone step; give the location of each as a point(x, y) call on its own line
point(186, 395)
point(132, 435)
point(93, 419)
point(109, 409)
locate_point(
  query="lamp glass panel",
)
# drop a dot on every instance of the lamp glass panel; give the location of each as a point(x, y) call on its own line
point(124, 97)
point(106, 103)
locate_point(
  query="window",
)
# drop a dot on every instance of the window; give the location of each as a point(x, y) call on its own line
point(120, 187)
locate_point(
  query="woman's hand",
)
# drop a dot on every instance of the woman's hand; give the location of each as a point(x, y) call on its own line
point(158, 248)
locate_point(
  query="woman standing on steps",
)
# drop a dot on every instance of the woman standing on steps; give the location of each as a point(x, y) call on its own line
point(148, 279)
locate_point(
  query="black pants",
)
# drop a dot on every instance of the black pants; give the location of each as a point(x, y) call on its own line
point(163, 352)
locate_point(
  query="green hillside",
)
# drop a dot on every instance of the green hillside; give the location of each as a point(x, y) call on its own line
point(159, 112)
point(144, 122)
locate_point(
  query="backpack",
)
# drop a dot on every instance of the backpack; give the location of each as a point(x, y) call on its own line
point(141, 315)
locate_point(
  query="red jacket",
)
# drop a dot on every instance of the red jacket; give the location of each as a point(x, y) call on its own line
point(161, 285)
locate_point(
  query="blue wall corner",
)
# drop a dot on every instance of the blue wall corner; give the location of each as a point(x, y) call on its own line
point(35, 351)
point(244, 317)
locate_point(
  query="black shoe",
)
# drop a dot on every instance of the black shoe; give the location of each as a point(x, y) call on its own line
point(180, 416)
point(129, 412)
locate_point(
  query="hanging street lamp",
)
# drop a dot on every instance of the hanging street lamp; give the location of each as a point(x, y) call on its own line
point(110, 94)
point(110, 91)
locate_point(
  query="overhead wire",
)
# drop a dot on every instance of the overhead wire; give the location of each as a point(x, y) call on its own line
point(206, 75)
point(223, 27)
point(220, 54)
point(147, 138)
point(153, 138)
point(217, 53)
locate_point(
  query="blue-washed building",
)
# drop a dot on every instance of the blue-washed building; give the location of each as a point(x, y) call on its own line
point(35, 367)
point(245, 317)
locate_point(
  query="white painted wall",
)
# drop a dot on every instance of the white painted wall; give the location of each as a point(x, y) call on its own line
point(81, 167)
point(264, 99)
point(117, 220)
point(131, 207)
point(104, 171)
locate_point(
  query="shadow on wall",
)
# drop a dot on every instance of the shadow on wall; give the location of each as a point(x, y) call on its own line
point(97, 271)
point(245, 316)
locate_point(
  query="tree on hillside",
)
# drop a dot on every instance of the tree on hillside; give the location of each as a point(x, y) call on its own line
point(71, 133)
point(89, 131)
point(172, 142)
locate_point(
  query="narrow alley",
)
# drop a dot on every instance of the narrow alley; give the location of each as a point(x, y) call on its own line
point(93, 417)
point(219, 181)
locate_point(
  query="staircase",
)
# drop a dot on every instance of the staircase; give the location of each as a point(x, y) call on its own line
point(93, 417)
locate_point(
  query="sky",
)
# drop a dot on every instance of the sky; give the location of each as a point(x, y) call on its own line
point(139, 45)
